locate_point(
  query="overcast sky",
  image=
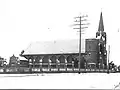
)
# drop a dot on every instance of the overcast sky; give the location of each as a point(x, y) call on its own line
point(26, 21)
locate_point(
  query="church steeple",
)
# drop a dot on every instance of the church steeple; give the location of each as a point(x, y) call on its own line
point(101, 35)
point(100, 31)
point(101, 24)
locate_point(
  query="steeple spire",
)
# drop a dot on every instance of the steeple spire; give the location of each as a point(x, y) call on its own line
point(101, 25)
point(101, 35)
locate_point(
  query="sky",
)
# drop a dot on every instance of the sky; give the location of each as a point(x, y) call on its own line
point(26, 21)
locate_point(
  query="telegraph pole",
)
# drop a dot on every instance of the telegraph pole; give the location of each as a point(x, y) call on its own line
point(108, 57)
point(79, 23)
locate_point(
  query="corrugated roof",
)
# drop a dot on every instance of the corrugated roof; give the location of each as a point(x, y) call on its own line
point(55, 47)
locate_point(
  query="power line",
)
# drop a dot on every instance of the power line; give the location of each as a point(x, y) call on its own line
point(79, 21)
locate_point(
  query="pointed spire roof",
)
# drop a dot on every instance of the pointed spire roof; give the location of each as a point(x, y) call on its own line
point(101, 25)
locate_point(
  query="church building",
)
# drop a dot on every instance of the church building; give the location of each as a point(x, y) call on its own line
point(65, 53)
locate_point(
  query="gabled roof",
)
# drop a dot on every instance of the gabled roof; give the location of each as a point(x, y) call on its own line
point(55, 47)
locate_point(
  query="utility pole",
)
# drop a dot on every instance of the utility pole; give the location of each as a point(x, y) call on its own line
point(108, 57)
point(79, 21)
